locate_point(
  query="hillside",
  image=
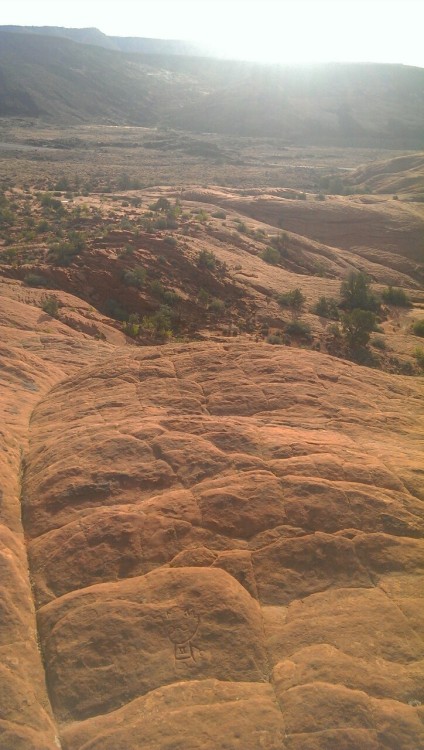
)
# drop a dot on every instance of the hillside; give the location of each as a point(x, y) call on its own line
point(143, 45)
point(59, 80)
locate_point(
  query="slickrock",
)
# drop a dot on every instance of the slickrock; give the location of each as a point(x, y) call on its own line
point(225, 549)
point(30, 353)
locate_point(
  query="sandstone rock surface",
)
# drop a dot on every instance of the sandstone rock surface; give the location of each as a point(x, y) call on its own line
point(224, 544)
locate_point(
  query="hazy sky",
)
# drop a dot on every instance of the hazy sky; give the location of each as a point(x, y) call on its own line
point(274, 30)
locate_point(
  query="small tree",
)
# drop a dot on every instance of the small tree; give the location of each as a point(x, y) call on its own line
point(294, 299)
point(356, 294)
point(326, 307)
point(357, 326)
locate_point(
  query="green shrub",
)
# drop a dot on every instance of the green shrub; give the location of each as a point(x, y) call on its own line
point(50, 305)
point(35, 280)
point(334, 330)
point(219, 215)
point(242, 227)
point(357, 326)
point(207, 259)
point(202, 216)
point(132, 326)
point(379, 342)
point(60, 255)
point(157, 288)
point(170, 241)
point(279, 241)
point(271, 255)
point(203, 297)
point(115, 310)
point(159, 323)
point(171, 298)
point(9, 256)
point(356, 294)
point(299, 329)
point(217, 306)
point(327, 307)
point(395, 296)
point(162, 204)
point(42, 226)
point(7, 217)
point(418, 328)
point(419, 356)
point(293, 299)
point(275, 339)
point(135, 276)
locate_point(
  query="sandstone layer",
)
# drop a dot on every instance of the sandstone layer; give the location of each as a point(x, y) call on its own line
point(224, 544)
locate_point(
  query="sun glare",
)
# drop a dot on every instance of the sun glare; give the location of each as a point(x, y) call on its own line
point(307, 31)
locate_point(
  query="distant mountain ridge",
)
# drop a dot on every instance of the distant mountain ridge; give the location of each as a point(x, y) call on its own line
point(141, 45)
point(63, 80)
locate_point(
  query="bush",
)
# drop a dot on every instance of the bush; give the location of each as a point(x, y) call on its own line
point(132, 326)
point(418, 328)
point(203, 297)
point(60, 255)
point(357, 326)
point(162, 204)
point(294, 299)
point(170, 241)
point(35, 280)
point(9, 256)
point(279, 241)
point(135, 276)
point(171, 298)
point(219, 215)
point(115, 310)
point(327, 307)
point(202, 216)
point(207, 259)
point(160, 323)
point(299, 329)
point(217, 306)
point(271, 255)
point(395, 296)
point(242, 227)
point(379, 342)
point(50, 305)
point(157, 288)
point(275, 339)
point(419, 356)
point(356, 294)
point(42, 226)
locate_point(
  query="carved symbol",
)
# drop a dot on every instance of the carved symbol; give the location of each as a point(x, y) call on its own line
point(182, 622)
